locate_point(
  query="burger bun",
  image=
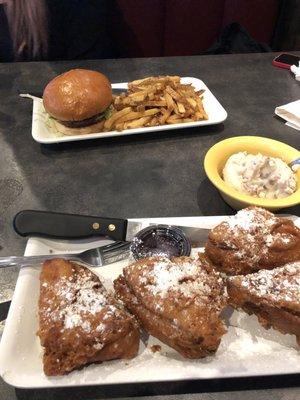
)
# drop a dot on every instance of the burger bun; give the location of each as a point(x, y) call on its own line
point(77, 95)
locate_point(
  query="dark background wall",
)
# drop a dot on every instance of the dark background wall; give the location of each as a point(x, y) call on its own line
point(95, 29)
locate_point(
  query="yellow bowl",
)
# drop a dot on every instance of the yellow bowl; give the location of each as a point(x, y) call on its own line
point(218, 154)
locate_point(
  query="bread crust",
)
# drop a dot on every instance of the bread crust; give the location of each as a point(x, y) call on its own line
point(77, 94)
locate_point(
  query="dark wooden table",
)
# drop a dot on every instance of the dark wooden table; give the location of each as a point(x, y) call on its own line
point(156, 174)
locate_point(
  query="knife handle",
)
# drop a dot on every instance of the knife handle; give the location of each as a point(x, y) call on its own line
point(67, 226)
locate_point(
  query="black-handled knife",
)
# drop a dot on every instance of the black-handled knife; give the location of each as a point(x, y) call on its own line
point(72, 226)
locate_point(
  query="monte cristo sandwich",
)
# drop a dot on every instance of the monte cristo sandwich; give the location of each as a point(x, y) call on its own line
point(272, 295)
point(252, 240)
point(177, 300)
point(79, 321)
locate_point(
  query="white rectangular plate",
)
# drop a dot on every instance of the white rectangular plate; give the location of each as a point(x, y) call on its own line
point(246, 349)
point(43, 133)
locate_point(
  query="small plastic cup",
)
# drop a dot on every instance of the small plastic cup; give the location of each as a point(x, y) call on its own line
point(160, 240)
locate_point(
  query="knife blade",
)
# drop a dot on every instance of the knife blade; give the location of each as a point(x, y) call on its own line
point(73, 226)
point(197, 236)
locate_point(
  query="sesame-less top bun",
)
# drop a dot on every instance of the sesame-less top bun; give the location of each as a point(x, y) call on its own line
point(77, 95)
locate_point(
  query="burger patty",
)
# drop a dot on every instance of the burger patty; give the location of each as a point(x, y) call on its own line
point(84, 122)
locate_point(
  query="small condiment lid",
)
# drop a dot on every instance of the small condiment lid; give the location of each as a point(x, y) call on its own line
point(159, 240)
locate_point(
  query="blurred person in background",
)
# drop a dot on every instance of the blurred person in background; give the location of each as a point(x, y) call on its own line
point(53, 30)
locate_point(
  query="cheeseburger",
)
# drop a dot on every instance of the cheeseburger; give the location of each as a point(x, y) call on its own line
point(78, 101)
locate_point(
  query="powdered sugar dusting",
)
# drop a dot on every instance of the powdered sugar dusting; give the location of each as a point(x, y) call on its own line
point(186, 279)
point(250, 219)
point(76, 300)
point(279, 285)
point(182, 277)
point(252, 234)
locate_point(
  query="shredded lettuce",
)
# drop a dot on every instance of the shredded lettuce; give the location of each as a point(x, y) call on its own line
point(108, 112)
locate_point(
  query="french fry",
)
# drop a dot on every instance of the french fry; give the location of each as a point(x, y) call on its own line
point(140, 108)
point(110, 121)
point(156, 101)
point(192, 102)
point(130, 116)
point(165, 115)
point(119, 127)
point(152, 111)
point(181, 108)
point(153, 122)
point(137, 123)
point(174, 120)
point(169, 100)
point(172, 93)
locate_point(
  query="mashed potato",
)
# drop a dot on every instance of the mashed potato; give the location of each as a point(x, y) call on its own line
point(259, 175)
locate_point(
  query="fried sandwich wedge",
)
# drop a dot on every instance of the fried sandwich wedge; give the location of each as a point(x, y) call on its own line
point(79, 321)
point(251, 240)
point(272, 295)
point(178, 301)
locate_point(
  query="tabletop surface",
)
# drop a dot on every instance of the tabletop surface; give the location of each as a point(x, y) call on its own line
point(151, 175)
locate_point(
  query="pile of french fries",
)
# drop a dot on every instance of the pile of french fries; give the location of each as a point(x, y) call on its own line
point(155, 101)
